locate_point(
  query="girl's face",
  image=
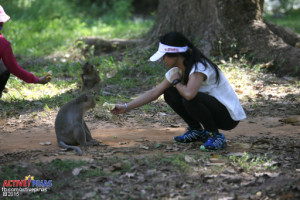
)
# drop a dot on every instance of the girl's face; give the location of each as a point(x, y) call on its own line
point(170, 61)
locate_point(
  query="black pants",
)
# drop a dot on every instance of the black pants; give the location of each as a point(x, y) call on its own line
point(3, 80)
point(203, 110)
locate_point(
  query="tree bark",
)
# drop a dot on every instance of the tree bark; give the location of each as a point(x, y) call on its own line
point(228, 27)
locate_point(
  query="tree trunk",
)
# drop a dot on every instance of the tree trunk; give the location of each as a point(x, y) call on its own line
point(228, 27)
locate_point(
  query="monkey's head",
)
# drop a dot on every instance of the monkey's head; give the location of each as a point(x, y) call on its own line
point(87, 101)
point(88, 68)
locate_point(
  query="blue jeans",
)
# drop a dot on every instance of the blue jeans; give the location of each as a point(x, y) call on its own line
point(202, 111)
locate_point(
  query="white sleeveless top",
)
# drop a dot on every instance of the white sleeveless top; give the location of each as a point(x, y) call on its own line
point(222, 91)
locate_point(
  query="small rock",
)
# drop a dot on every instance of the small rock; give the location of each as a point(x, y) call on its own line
point(144, 147)
point(258, 194)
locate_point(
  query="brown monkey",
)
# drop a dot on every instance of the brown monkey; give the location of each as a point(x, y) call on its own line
point(90, 78)
point(70, 126)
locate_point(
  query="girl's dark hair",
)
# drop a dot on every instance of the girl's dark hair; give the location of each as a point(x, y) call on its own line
point(192, 56)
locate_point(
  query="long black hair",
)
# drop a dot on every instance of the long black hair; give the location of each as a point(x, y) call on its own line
point(192, 56)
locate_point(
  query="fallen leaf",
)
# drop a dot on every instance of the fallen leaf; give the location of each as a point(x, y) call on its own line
point(76, 171)
point(268, 64)
point(158, 145)
point(269, 174)
point(144, 147)
point(89, 195)
point(122, 143)
point(189, 159)
point(115, 167)
point(45, 143)
point(104, 190)
point(239, 91)
point(130, 175)
point(290, 120)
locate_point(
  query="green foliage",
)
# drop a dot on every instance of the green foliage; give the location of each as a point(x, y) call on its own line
point(280, 6)
point(10, 172)
point(110, 9)
point(125, 76)
point(252, 163)
point(289, 20)
point(39, 28)
point(64, 165)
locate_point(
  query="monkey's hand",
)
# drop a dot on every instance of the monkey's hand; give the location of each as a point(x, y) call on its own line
point(44, 80)
point(48, 75)
point(119, 109)
point(109, 106)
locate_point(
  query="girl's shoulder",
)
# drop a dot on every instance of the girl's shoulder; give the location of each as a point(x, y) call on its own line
point(201, 67)
point(3, 40)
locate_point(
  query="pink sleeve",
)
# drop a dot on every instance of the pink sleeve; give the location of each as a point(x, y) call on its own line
point(13, 67)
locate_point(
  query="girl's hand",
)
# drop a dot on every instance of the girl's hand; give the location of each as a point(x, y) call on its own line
point(119, 109)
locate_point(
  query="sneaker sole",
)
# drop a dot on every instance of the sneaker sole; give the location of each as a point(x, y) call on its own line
point(202, 148)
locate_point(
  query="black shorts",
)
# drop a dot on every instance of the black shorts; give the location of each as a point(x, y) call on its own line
point(3, 80)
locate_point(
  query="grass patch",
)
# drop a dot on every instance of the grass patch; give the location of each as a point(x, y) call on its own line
point(289, 20)
point(40, 28)
point(64, 165)
point(254, 163)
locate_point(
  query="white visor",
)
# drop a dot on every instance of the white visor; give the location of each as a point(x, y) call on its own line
point(163, 49)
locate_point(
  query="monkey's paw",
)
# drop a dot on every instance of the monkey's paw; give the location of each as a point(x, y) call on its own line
point(92, 142)
point(48, 75)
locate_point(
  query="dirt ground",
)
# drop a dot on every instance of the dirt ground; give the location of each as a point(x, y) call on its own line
point(35, 136)
point(35, 141)
point(25, 141)
point(39, 135)
point(138, 159)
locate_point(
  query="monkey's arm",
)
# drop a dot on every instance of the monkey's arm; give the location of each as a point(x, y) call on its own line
point(87, 132)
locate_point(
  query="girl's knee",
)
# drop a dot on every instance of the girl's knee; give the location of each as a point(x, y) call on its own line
point(191, 102)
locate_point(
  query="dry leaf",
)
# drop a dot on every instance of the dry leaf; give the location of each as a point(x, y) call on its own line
point(144, 147)
point(122, 143)
point(130, 175)
point(290, 120)
point(239, 91)
point(45, 143)
point(189, 159)
point(268, 64)
point(76, 171)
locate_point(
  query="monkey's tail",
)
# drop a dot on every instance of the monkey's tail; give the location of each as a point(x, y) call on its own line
point(64, 145)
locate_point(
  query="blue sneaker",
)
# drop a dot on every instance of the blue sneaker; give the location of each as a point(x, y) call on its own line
point(214, 142)
point(192, 136)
